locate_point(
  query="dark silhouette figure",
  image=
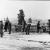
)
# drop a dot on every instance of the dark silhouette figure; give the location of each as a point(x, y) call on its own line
point(9, 27)
point(49, 25)
point(1, 28)
point(28, 29)
point(38, 26)
point(44, 29)
point(6, 26)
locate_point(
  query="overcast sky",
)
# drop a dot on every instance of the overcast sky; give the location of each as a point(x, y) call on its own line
point(33, 9)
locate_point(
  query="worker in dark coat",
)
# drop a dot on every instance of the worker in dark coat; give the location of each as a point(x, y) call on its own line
point(1, 28)
point(9, 27)
point(28, 29)
point(38, 26)
point(49, 25)
point(6, 26)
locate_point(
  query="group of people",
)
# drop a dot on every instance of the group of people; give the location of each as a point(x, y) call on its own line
point(40, 27)
point(6, 27)
point(43, 27)
point(26, 27)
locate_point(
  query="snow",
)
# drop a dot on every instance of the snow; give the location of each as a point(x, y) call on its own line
point(17, 41)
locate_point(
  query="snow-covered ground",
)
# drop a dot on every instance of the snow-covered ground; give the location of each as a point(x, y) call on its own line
point(20, 41)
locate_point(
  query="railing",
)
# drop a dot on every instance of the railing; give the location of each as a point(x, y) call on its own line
point(33, 28)
point(18, 28)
